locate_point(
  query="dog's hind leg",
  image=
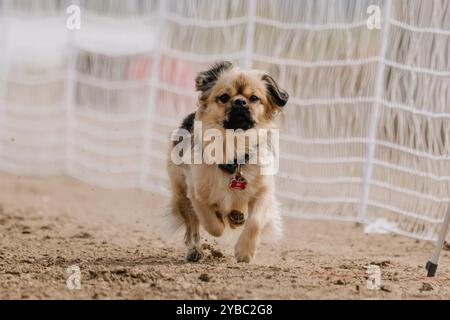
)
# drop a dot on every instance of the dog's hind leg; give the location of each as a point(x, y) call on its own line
point(192, 238)
point(181, 206)
point(192, 235)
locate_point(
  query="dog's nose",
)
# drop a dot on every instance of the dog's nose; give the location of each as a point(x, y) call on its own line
point(239, 103)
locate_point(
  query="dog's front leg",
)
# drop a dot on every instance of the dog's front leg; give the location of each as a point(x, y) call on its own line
point(260, 212)
point(207, 214)
point(209, 218)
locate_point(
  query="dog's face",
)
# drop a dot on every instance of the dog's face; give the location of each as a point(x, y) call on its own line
point(234, 99)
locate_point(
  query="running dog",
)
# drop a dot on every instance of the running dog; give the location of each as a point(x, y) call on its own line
point(232, 194)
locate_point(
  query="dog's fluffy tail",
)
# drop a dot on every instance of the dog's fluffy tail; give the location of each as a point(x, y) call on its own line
point(273, 232)
point(170, 223)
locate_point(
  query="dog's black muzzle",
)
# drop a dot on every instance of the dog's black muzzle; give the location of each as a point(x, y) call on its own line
point(239, 117)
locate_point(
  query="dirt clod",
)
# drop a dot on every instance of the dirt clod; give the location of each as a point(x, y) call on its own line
point(204, 277)
point(385, 288)
point(446, 246)
point(426, 287)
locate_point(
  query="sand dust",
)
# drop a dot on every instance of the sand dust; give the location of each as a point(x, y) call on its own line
point(49, 224)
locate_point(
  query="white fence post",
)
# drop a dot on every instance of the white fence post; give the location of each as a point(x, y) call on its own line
point(70, 93)
point(432, 264)
point(3, 62)
point(153, 83)
point(3, 49)
point(379, 90)
point(250, 34)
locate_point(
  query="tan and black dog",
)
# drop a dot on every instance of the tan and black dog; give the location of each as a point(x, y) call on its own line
point(217, 196)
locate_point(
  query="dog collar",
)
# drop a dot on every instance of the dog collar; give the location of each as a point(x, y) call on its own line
point(231, 168)
point(237, 180)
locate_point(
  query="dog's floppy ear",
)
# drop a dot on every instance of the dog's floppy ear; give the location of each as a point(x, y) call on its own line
point(205, 80)
point(276, 95)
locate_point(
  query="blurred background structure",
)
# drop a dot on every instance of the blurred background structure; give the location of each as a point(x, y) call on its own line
point(365, 137)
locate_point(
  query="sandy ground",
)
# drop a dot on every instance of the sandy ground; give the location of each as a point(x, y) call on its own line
point(49, 224)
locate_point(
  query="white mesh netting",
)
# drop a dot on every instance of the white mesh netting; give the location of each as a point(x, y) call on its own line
point(366, 134)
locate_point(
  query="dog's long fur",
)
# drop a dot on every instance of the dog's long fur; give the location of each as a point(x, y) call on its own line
point(200, 192)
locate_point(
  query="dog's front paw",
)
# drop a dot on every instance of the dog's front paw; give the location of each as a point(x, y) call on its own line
point(243, 254)
point(194, 255)
point(243, 257)
point(236, 218)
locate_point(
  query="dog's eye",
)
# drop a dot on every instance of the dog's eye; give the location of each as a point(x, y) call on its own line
point(254, 98)
point(224, 98)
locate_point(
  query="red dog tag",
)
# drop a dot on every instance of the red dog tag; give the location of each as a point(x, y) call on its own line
point(238, 182)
